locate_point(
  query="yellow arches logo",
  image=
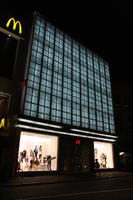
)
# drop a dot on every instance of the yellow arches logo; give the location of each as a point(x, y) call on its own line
point(15, 24)
point(2, 123)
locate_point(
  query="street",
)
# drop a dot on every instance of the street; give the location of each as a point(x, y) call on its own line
point(112, 188)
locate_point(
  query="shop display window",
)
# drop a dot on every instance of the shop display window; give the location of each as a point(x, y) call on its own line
point(103, 151)
point(37, 152)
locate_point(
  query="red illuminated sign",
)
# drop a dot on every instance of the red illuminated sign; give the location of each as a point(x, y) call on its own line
point(78, 141)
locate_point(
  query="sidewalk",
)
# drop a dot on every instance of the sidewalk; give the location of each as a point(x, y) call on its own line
point(48, 179)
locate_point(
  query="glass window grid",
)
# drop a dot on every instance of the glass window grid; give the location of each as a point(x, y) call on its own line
point(101, 82)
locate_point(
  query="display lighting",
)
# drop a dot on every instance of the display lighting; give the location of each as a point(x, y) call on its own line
point(93, 133)
point(38, 123)
point(62, 133)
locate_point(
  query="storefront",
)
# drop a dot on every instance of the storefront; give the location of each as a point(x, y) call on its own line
point(37, 152)
point(43, 149)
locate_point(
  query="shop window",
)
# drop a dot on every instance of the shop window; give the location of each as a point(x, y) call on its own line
point(37, 152)
point(103, 151)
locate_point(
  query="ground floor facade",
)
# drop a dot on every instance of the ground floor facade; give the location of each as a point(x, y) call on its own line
point(42, 147)
point(36, 147)
point(45, 152)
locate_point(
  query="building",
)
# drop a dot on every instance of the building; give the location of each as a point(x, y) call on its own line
point(10, 51)
point(63, 114)
point(123, 109)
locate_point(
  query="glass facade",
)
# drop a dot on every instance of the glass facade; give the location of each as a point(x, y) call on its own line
point(66, 82)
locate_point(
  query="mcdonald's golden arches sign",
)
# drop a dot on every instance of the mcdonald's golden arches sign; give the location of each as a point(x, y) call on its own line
point(14, 24)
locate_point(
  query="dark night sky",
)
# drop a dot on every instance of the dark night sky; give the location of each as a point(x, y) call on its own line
point(105, 27)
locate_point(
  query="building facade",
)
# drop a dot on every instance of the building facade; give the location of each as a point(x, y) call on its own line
point(123, 109)
point(10, 51)
point(66, 118)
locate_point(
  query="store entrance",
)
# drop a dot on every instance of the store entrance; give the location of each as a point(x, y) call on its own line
point(74, 158)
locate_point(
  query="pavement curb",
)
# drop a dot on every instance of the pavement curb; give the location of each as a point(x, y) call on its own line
point(89, 178)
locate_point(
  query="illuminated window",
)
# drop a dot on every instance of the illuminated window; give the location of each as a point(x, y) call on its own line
point(37, 152)
point(104, 153)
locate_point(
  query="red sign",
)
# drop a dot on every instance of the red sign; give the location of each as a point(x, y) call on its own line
point(78, 141)
point(23, 83)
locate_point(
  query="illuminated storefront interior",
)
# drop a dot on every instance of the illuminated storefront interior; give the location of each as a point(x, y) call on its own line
point(104, 153)
point(37, 152)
